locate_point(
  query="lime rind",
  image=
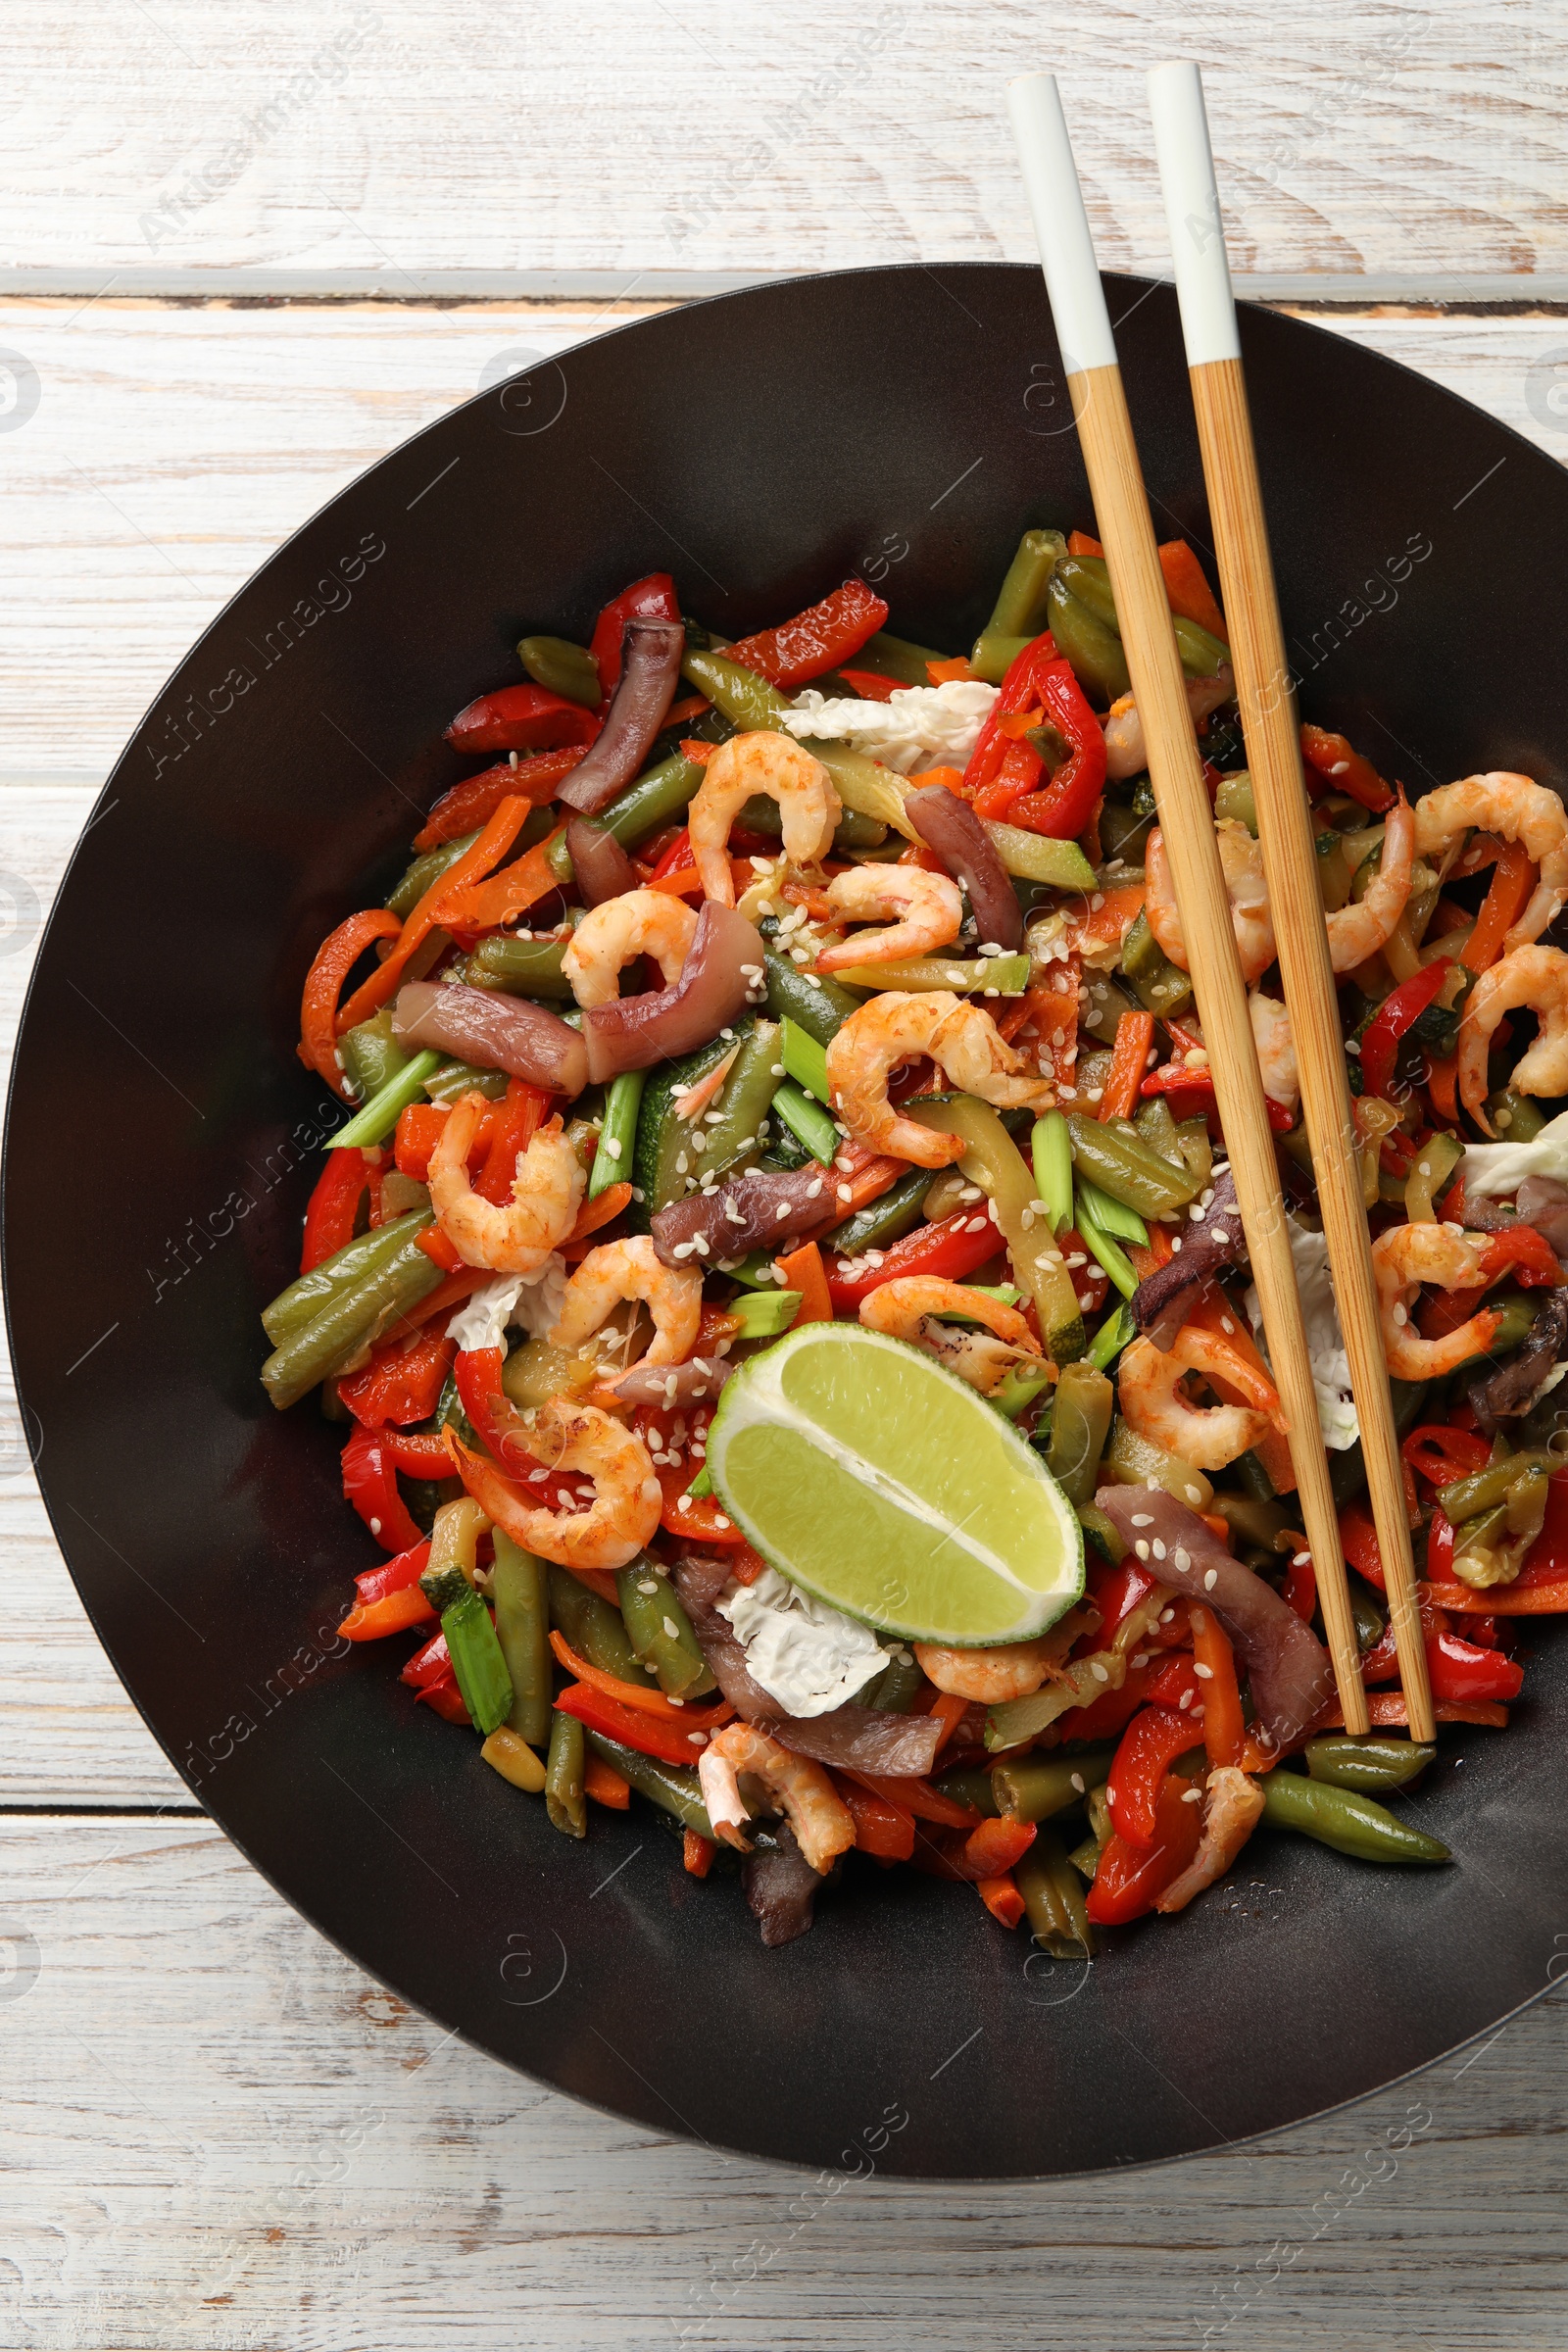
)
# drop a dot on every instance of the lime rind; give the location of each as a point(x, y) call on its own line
point(825, 1495)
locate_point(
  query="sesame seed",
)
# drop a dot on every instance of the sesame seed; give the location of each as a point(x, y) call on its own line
point(1192, 1796)
point(1181, 1561)
point(1143, 1519)
point(613, 1146)
point(1142, 1549)
point(1299, 1559)
point(1166, 1615)
point(1210, 1579)
point(1159, 1549)
point(671, 1628)
point(648, 1583)
point(782, 1211)
point(1102, 1674)
point(1204, 1674)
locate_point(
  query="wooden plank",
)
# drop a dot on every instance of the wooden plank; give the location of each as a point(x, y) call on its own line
point(175, 446)
point(222, 2133)
point(397, 137)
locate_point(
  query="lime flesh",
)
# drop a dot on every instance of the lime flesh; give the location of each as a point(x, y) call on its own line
point(862, 1471)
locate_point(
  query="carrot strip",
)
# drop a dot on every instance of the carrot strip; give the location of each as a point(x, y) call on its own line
point(1135, 1036)
point(478, 905)
point(1223, 1725)
point(919, 1797)
point(1187, 591)
point(334, 960)
point(487, 852)
point(1512, 880)
point(697, 1853)
point(1213, 1314)
point(803, 1271)
point(1001, 1898)
point(637, 1695)
point(476, 799)
point(594, 1213)
point(1079, 543)
point(950, 1711)
point(393, 1613)
point(1441, 1077)
point(943, 673)
point(604, 1784)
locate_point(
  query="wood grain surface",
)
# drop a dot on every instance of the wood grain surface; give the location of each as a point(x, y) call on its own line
point(218, 2132)
point(1405, 138)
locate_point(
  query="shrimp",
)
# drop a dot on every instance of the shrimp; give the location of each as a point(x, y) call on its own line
point(1208, 1437)
point(786, 772)
point(1521, 810)
point(811, 1805)
point(1232, 1804)
point(630, 1269)
point(640, 922)
point(1404, 1257)
point(1358, 930)
point(1534, 977)
point(959, 1038)
point(622, 1510)
point(546, 1191)
point(988, 1677)
point(907, 1308)
point(1276, 1048)
point(1254, 925)
point(1125, 751)
point(929, 908)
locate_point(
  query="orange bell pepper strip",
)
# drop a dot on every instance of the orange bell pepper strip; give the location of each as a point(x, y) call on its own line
point(476, 799)
point(803, 1271)
point(1187, 591)
point(639, 1695)
point(998, 1845)
point(605, 1785)
point(1331, 764)
point(335, 959)
point(393, 1613)
point(882, 1827)
point(950, 1711)
point(1135, 1036)
point(1513, 878)
point(491, 846)
point(1216, 1665)
point(484, 905)
point(1002, 1899)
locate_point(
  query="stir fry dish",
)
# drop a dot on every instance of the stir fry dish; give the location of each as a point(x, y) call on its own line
point(782, 1286)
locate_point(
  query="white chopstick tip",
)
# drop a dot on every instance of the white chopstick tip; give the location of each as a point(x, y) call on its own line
point(1193, 213)
point(1061, 225)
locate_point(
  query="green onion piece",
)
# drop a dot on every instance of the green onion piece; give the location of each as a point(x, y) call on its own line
point(702, 1483)
point(756, 1271)
point(613, 1160)
point(804, 1059)
point(476, 1654)
point(376, 1122)
point(1115, 1333)
point(1007, 1293)
point(1101, 1246)
point(1021, 1387)
point(765, 1314)
point(1052, 1158)
point(1112, 1216)
point(808, 1120)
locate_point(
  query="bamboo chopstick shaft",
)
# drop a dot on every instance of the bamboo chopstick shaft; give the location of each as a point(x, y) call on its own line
point(1269, 724)
point(1121, 509)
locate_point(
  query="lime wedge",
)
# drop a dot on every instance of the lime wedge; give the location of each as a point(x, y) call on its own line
point(862, 1471)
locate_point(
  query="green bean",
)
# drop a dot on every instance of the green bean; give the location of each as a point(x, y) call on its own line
point(1435, 1163)
point(1039, 856)
point(477, 1660)
point(722, 1142)
point(1467, 1497)
point(970, 1785)
point(370, 1054)
point(1050, 1149)
point(617, 1138)
point(520, 1587)
point(352, 1319)
point(748, 701)
point(1350, 1823)
point(561, 668)
point(1234, 800)
point(1110, 1215)
point(305, 1298)
point(1033, 1787)
point(994, 652)
point(455, 1079)
point(1095, 652)
point(592, 1629)
point(424, 870)
point(677, 1790)
point(762, 814)
point(376, 1122)
point(1157, 1129)
point(896, 658)
point(820, 1009)
point(1367, 1764)
point(660, 1632)
point(1054, 1899)
point(1085, 1859)
point(809, 1121)
point(896, 1688)
point(886, 1219)
point(1515, 1116)
point(1021, 605)
point(657, 798)
point(1124, 833)
point(1193, 1143)
point(1131, 1462)
point(1106, 1006)
point(1080, 1420)
point(804, 1059)
point(523, 967)
point(1119, 1331)
point(1100, 1826)
point(1088, 578)
point(1112, 1155)
point(566, 1800)
point(1263, 1525)
point(1517, 1310)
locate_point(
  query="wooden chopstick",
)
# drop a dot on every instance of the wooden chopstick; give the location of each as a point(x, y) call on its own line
point(1126, 531)
point(1265, 693)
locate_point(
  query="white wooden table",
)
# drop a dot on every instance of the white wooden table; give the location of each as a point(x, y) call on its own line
point(246, 251)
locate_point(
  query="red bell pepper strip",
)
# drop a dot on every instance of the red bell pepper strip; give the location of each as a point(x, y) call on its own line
point(393, 1613)
point(428, 1665)
point(487, 852)
point(1301, 1586)
point(952, 1247)
point(1215, 1663)
point(675, 857)
point(523, 718)
point(1546, 1560)
point(1150, 1746)
point(513, 1125)
point(697, 1853)
point(418, 1455)
point(439, 1249)
point(335, 959)
point(369, 1484)
point(1440, 1548)
point(1330, 764)
point(1358, 1538)
point(1195, 1090)
point(446, 1699)
point(1511, 880)
point(402, 1382)
point(881, 1827)
point(1463, 1671)
point(1065, 806)
point(649, 599)
point(917, 1797)
point(1131, 1877)
point(817, 640)
point(644, 1732)
point(494, 1416)
point(395, 1574)
point(1397, 1012)
point(1175, 1682)
point(1525, 1254)
point(334, 1208)
point(1117, 1592)
point(1440, 1455)
point(869, 687)
point(476, 799)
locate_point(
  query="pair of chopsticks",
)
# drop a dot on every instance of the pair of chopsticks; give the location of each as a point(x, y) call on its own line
point(1268, 719)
